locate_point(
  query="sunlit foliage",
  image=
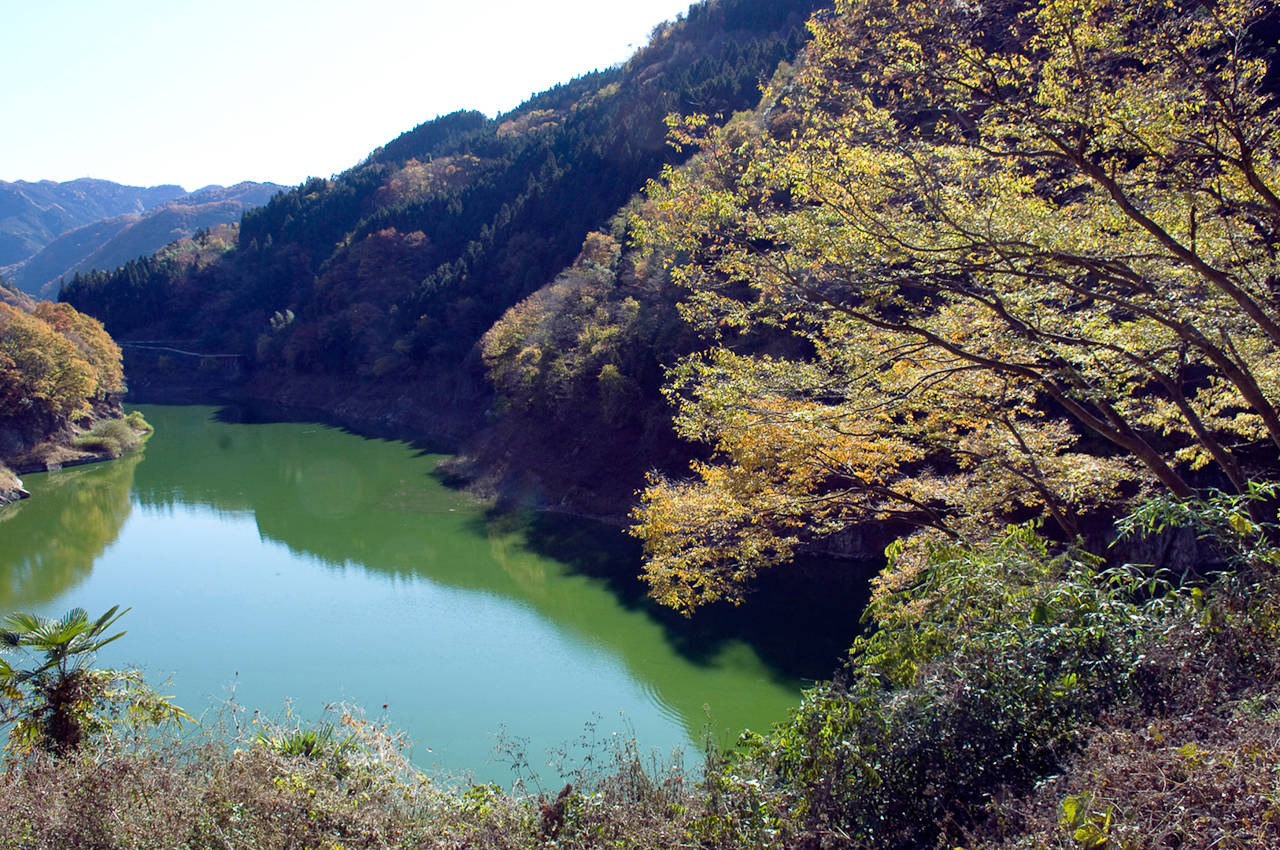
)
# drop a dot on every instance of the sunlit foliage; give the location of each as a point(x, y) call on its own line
point(559, 352)
point(55, 360)
point(1032, 250)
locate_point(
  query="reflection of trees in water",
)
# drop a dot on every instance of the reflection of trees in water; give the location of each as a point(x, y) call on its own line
point(375, 506)
point(53, 538)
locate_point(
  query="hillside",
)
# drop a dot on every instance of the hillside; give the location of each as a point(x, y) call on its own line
point(14, 297)
point(60, 386)
point(109, 243)
point(33, 214)
point(68, 248)
point(375, 286)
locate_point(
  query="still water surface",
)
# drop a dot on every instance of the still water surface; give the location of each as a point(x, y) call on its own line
point(298, 562)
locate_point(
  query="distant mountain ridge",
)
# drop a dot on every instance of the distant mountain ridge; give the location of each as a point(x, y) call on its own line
point(33, 214)
point(52, 230)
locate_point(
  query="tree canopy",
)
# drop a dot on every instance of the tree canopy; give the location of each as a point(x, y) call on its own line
point(55, 360)
point(1031, 247)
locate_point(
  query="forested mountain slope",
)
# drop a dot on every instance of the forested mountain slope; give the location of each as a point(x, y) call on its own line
point(109, 243)
point(1000, 275)
point(1004, 274)
point(394, 269)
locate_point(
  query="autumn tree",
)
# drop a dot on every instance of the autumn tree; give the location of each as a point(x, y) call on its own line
point(1031, 247)
point(92, 341)
point(566, 351)
point(41, 369)
point(578, 371)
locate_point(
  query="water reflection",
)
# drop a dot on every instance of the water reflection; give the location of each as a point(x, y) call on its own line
point(800, 619)
point(377, 504)
point(361, 576)
point(52, 539)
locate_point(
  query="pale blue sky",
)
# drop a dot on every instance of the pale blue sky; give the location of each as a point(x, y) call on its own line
point(144, 92)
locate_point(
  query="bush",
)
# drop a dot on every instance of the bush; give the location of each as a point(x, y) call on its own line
point(112, 436)
point(1006, 698)
point(137, 423)
point(975, 683)
point(1203, 780)
point(1190, 760)
point(1009, 698)
point(54, 702)
point(265, 791)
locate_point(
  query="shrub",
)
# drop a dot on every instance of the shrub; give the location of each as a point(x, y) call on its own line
point(1203, 780)
point(975, 683)
point(56, 702)
point(137, 423)
point(1190, 760)
point(112, 436)
point(199, 792)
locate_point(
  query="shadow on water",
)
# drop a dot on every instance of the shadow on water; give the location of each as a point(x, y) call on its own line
point(295, 537)
point(265, 413)
point(800, 618)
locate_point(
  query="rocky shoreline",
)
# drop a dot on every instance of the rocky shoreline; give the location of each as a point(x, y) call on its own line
point(46, 443)
point(11, 486)
point(10, 494)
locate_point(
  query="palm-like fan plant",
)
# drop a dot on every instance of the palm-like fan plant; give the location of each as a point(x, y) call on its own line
point(58, 697)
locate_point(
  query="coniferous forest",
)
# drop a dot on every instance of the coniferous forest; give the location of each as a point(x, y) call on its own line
point(993, 286)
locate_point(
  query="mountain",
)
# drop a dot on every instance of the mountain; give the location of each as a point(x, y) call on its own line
point(367, 295)
point(982, 230)
point(393, 270)
point(33, 214)
point(109, 243)
point(66, 250)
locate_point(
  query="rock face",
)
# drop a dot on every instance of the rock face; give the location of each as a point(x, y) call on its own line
point(13, 494)
point(20, 434)
point(40, 441)
point(1177, 551)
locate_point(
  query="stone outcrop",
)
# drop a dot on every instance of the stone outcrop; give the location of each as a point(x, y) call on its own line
point(39, 441)
point(11, 490)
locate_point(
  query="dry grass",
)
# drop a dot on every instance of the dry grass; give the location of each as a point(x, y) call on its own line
point(9, 485)
point(1193, 782)
point(200, 793)
point(113, 437)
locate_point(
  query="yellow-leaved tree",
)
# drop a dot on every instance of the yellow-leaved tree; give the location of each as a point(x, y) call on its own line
point(1031, 247)
point(54, 360)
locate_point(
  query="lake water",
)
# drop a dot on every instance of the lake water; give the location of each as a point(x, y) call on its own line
point(296, 562)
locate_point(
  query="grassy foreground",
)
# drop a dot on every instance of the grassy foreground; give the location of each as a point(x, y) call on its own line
point(1005, 698)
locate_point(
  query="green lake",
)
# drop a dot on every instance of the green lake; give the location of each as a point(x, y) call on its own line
point(294, 563)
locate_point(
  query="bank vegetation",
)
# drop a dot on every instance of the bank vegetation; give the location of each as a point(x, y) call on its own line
point(61, 381)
